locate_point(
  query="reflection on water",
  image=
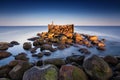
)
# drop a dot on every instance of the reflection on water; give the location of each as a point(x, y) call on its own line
point(21, 34)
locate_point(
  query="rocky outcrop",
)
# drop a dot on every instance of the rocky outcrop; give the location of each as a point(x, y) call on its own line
point(4, 55)
point(97, 68)
point(48, 72)
point(69, 72)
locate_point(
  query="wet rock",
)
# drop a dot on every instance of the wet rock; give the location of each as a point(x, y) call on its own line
point(14, 43)
point(101, 48)
point(46, 53)
point(38, 42)
point(4, 79)
point(22, 56)
point(17, 72)
point(4, 55)
point(69, 35)
point(111, 60)
point(27, 45)
point(55, 61)
point(4, 70)
point(33, 50)
point(101, 44)
point(95, 42)
point(93, 38)
point(69, 72)
point(33, 38)
point(97, 68)
point(48, 72)
point(14, 63)
point(69, 41)
point(84, 50)
point(4, 45)
point(61, 47)
point(47, 47)
point(75, 58)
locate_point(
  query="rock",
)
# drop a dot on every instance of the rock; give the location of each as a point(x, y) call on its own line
point(84, 50)
point(69, 72)
point(4, 55)
point(95, 42)
point(118, 67)
point(14, 43)
point(69, 35)
point(61, 47)
point(87, 43)
point(17, 72)
point(101, 48)
point(33, 38)
point(93, 38)
point(14, 63)
point(69, 41)
point(22, 56)
point(50, 35)
point(47, 47)
point(4, 79)
point(77, 37)
point(4, 45)
point(38, 42)
point(97, 68)
point(4, 70)
point(101, 44)
point(55, 61)
point(27, 45)
point(33, 50)
point(63, 39)
point(75, 58)
point(111, 60)
point(48, 72)
point(46, 53)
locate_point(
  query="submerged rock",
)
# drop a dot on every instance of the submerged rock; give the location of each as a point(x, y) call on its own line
point(27, 45)
point(69, 72)
point(17, 72)
point(84, 50)
point(97, 68)
point(4, 55)
point(48, 72)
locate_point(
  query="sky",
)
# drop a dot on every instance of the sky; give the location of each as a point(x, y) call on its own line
point(43, 12)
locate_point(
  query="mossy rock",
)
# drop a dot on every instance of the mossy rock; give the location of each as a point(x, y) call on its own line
point(69, 72)
point(97, 68)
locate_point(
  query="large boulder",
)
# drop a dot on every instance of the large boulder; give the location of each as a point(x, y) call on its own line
point(69, 72)
point(111, 60)
point(27, 45)
point(4, 55)
point(4, 70)
point(17, 72)
point(97, 68)
point(4, 45)
point(48, 72)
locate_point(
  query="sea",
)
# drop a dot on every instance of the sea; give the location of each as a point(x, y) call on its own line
point(22, 33)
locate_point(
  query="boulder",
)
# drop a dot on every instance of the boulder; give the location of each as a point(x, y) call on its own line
point(55, 61)
point(14, 63)
point(93, 38)
point(69, 72)
point(97, 68)
point(33, 50)
point(48, 72)
point(22, 56)
point(46, 53)
point(77, 37)
point(111, 60)
point(101, 48)
point(27, 45)
point(4, 55)
point(69, 35)
point(75, 58)
point(14, 43)
point(84, 50)
point(4, 79)
point(47, 47)
point(4, 45)
point(17, 72)
point(61, 46)
point(4, 70)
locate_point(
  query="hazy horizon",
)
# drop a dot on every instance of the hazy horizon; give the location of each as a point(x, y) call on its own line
point(43, 12)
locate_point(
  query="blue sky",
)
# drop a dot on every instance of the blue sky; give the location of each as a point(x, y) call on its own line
point(42, 12)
